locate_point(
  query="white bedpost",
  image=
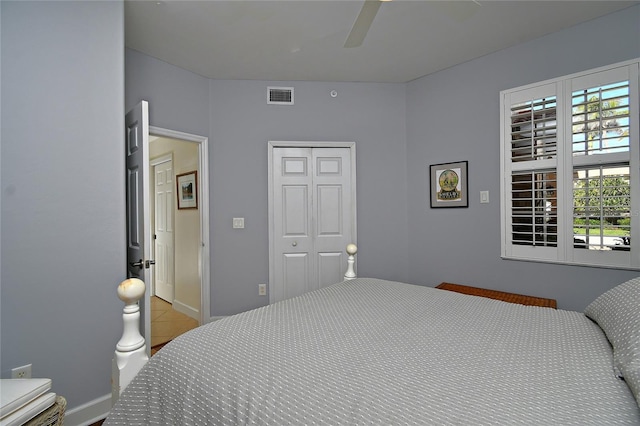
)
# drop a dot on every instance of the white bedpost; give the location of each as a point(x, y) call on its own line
point(130, 355)
point(352, 249)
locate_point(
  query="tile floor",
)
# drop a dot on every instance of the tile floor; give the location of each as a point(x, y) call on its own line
point(167, 323)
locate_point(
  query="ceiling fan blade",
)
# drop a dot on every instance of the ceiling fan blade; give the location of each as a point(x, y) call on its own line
point(363, 22)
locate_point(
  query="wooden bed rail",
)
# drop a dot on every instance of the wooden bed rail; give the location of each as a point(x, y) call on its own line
point(131, 351)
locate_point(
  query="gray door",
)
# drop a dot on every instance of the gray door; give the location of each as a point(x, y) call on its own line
point(138, 232)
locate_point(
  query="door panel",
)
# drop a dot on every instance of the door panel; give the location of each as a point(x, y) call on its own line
point(295, 166)
point(330, 268)
point(138, 235)
point(135, 241)
point(295, 215)
point(329, 201)
point(329, 166)
point(295, 273)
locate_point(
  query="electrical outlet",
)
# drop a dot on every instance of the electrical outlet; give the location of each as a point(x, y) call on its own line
point(262, 289)
point(23, 372)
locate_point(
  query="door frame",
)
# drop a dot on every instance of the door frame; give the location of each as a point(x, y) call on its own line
point(306, 144)
point(203, 208)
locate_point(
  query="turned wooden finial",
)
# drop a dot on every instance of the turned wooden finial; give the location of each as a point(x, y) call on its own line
point(131, 352)
point(352, 249)
point(130, 291)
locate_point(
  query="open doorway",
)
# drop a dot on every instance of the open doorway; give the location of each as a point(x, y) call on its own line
point(179, 236)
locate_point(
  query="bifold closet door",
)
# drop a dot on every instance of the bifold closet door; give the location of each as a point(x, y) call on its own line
point(312, 218)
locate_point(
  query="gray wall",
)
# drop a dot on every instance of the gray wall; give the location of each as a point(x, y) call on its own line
point(178, 99)
point(62, 192)
point(242, 123)
point(239, 123)
point(453, 115)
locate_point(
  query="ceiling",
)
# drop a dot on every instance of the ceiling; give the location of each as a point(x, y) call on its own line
point(304, 40)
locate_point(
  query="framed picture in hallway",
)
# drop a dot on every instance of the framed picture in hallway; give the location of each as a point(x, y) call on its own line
point(187, 190)
point(449, 185)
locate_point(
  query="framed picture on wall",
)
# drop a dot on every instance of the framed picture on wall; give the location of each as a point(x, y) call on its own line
point(449, 185)
point(187, 188)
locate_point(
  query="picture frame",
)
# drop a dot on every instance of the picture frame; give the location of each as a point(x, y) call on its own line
point(187, 190)
point(449, 185)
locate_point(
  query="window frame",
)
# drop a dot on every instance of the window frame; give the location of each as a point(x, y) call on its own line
point(564, 163)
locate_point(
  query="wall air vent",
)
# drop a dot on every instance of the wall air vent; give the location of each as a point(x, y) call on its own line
point(280, 95)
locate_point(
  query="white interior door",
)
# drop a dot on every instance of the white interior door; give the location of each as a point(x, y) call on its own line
point(332, 213)
point(312, 209)
point(293, 245)
point(138, 232)
point(164, 194)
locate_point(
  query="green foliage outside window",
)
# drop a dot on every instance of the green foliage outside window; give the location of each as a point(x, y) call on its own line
point(608, 198)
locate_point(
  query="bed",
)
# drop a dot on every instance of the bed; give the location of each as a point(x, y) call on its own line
point(370, 351)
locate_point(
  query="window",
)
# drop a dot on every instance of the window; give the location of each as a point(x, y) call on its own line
point(571, 170)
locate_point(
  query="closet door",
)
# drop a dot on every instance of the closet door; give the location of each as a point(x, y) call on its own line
point(312, 217)
point(292, 217)
point(331, 213)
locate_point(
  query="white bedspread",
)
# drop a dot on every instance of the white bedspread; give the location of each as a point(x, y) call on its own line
point(370, 351)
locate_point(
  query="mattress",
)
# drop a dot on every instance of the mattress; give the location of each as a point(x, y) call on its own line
point(370, 351)
point(23, 399)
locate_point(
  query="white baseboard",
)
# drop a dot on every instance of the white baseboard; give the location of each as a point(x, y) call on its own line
point(212, 319)
point(88, 413)
point(186, 309)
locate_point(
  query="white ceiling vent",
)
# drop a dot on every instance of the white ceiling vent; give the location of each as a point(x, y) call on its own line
point(280, 95)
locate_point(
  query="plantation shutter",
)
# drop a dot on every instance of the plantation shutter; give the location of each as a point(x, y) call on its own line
point(531, 129)
point(601, 140)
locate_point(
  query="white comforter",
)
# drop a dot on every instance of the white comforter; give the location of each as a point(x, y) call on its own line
point(370, 351)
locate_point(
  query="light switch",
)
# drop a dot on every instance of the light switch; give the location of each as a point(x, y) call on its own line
point(238, 223)
point(484, 197)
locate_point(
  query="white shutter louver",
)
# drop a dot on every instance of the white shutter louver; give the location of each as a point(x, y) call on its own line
point(602, 208)
point(600, 119)
point(534, 213)
point(533, 130)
